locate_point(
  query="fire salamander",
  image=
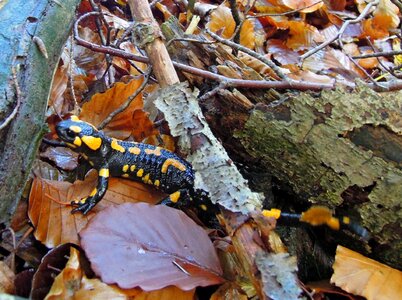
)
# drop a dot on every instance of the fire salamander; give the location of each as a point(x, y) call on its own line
point(164, 170)
point(136, 161)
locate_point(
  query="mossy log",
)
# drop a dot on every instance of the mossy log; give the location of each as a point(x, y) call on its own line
point(339, 149)
point(33, 35)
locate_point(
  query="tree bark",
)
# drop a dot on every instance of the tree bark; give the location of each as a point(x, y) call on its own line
point(33, 35)
point(341, 150)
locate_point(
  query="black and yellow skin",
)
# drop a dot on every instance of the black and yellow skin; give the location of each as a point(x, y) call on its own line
point(136, 161)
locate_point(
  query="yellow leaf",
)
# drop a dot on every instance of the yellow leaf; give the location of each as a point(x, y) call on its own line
point(363, 276)
point(222, 20)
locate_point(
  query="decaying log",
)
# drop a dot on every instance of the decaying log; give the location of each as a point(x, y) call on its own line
point(340, 149)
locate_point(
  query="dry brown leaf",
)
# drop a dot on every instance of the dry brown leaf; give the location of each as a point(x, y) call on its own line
point(306, 6)
point(229, 291)
point(300, 36)
point(56, 99)
point(376, 27)
point(363, 276)
point(387, 8)
point(167, 293)
point(6, 279)
point(247, 34)
point(72, 283)
point(222, 22)
point(101, 105)
point(54, 224)
point(68, 281)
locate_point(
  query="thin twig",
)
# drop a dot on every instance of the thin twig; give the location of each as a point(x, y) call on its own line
point(189, 40)
point(128, 101)
point(389, 70)
point(18, 95)
point(284, 13)
point(250, 52)
point(378, 54)
point(236, 17)
point(222, 85)
point(71, 77)
point(363, 14)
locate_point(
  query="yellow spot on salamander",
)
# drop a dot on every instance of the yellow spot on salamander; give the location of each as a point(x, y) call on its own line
point(75, 119)
point(203, 207)
point(132, 168)
point(145, 178)
point(175, 197)
point(156, 151)
point(93, 143)
point(125, 175)
point(125, 168)
point(77, 141)
point(140, 172)
point(272, 213)
point(83, 200)
point(346, 220)
point(115, 145)
point(157, 183)
point(104, 173)
point(134, 150)
point(76, 129)
point(93, 193)
point(174, 163)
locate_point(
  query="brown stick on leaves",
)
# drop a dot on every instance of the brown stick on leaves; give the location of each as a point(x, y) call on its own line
point(155, 48)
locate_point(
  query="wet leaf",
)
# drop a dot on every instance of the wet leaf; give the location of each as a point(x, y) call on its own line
point(363, 276)
point(63, 157)
point(146, 239)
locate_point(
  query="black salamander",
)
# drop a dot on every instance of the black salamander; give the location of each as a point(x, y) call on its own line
point(136, 161)
point(164, 170)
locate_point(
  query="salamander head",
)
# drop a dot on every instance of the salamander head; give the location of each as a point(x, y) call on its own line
point(79, 135)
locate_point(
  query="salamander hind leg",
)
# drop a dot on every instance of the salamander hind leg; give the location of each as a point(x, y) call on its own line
point(177, 199)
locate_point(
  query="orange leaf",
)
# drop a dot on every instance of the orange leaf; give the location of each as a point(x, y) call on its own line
point(377, 27)
point(363, 276)
point(68, 281)
point(101, 105)
point(300, 34)
point(72, 283)
point(53, 220)
point(222, 22)
point(149, 239)
point(56, 99)
point(306, 4)
point(247, 34)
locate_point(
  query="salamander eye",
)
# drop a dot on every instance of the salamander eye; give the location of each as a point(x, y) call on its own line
point(70, 133)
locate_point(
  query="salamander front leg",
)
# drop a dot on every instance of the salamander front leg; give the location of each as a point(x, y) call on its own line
point(86, 204)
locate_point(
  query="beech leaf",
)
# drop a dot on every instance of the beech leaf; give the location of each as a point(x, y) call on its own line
point(152, 246)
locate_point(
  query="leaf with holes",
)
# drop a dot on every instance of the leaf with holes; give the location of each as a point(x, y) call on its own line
point(150, 247)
